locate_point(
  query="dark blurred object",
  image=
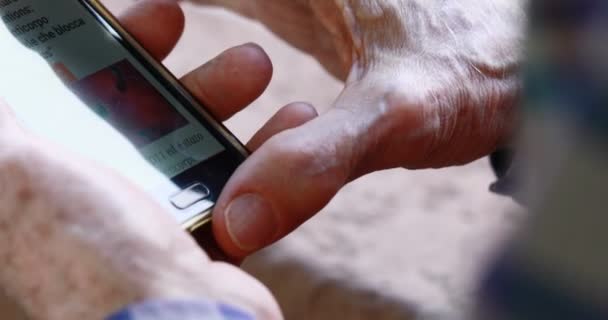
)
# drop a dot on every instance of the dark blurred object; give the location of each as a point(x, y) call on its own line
point(501, 162)
point(556, 267)
point(204, 237)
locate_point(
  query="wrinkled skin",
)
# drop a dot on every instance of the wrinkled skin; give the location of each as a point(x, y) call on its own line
point(79, 242)
point(428, 84)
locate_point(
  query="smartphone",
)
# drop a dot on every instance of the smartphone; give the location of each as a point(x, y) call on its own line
point(75, 76)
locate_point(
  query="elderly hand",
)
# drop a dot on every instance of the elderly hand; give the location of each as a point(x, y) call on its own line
point(428, 84)
point(79, 242)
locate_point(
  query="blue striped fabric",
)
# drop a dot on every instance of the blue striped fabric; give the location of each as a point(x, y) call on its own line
point(180, 310)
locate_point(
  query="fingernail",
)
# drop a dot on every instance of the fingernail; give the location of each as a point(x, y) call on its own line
point(251, 222)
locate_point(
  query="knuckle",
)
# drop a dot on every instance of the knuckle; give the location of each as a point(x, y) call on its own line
point(313, 160)
point(296, 152)
point(471, 116)
point(427, 123)
point(408, 126)
point(455, 111)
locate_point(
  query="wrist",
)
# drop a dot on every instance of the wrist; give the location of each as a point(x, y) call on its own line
point(57, 284)
point(72, 252)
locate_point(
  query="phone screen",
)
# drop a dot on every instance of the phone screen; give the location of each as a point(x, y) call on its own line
point(70, 78)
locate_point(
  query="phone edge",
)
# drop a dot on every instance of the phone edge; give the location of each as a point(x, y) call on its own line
point(105, 16)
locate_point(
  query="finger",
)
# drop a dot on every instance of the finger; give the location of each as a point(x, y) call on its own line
point(291, 116)
point(286, 181)
point(156, 24)
point(232, 80)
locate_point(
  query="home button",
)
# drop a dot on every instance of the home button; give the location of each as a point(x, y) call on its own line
point(190, 196)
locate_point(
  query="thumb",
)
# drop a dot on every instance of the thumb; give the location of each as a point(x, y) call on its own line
point(286, 181)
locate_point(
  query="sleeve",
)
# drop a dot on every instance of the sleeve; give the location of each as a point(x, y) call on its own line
point(183, 310)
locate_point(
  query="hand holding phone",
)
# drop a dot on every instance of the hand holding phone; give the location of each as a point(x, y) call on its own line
point(76, 230)
point(130, 114)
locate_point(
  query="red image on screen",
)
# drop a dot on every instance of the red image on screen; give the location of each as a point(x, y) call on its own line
point(125, 99)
